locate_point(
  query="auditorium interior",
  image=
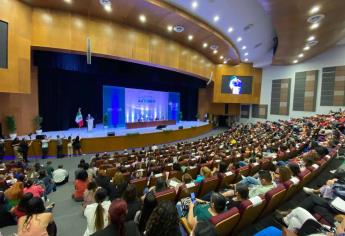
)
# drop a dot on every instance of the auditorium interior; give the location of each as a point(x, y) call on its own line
point(172, 117)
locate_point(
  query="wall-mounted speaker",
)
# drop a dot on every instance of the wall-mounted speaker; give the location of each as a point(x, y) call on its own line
point(110, 134)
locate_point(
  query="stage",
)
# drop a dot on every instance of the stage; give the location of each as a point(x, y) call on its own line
point(99, 141)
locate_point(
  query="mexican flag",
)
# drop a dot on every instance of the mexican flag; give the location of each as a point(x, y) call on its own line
point(79, 119)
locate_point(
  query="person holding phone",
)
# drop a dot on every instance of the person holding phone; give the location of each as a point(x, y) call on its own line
point(200, 210)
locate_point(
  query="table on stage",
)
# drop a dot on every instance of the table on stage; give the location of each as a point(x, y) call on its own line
point(144, 124)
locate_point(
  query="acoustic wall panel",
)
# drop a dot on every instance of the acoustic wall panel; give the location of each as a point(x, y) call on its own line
point(3, 44)
point(305, 91)
point(259, 111)
point(280, 97)
point(245, 111)
point(333, 86)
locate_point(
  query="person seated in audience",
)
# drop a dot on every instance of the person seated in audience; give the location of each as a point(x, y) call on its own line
point(14, 194)
point(3, 183)
point(36, 220)
point(60, 175)
point(117, 187)
point(90, 171)
point(163, 220)
point(80, 167)
point(102, 180)
point(46, 182)
point(97, 213)
point(35, 189)
point(204, 228)
point(89, 194)
point(118, 227)
point(133, 202)
point(49, 169)
point(256, 187)
point(203, 211)
point(282, 175)
point(205, 172)
point(220, 169)
point(141, 217)
point(80, 185)
point(21, 208)
point(241, 194)
point(6, 217)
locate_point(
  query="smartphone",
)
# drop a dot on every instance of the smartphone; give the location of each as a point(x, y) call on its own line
point(192, 196)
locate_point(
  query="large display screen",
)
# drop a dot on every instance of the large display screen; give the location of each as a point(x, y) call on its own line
point(234, 84)
point(126, 105)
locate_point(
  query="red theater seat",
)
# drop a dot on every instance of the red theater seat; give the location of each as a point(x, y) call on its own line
point(140, 185)
point(186, 189)
point(193, 171)
point(292, 187)
point(166, 195)
point(226, 179)
point(274, 197)
point(208, 185)
point(225, 222)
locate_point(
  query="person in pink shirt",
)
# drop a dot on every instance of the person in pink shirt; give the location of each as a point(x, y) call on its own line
point(30, 187)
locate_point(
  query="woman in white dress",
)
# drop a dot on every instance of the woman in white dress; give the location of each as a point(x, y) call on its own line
point(97, 213)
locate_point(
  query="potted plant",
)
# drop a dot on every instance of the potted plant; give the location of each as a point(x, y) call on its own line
point(38, 124)
point(105, 120)
point(11, 126)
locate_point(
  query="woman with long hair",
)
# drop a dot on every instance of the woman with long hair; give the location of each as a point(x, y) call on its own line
point(96, 213)
point(163, 220)
point(118, 226)
point(117, 187)
point(80, 185)
point(36, 221)
point(21, 208)
point(133, 202)
point(150, 202)
point(14, 193)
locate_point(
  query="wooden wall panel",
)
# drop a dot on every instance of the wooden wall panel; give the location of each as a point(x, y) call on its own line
point(259, 111)
point(280, 97)
point(245, 110)
point(239, 70)
point(333, 86)
point(67, 31)
point(305, 91)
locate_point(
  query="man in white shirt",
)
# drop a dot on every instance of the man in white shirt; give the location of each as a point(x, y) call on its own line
point(60, 175)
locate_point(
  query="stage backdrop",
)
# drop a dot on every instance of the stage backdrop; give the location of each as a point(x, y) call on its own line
point(125, 105)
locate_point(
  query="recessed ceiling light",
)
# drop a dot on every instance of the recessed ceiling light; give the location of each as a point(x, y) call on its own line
point(239, 39)
point(142, 18)
point(216, 18)
point(311, 38)
point(314, 26)
point(107, 8)
point(190, 37)
point(230, 29)
point(68, 1)
point(224, 61)
point(244, 47)
point(246, 59)
point(314, 9)
point(221, 57)
point(215, 51)
point(194, 4)
point(295, 61)
point(246, 54)
point(205, 45)
point(306, 48)
point(300, 55)
point(169, 28)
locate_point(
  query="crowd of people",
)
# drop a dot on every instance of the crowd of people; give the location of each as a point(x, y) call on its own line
point(113, 205)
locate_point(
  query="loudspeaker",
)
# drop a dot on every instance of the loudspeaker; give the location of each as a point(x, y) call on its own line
point(111, 134)
point(180, 127)
point(40, 136)
point(161, 126)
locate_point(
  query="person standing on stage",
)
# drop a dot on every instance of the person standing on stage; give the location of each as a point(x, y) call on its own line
point(69, 146)
point(44, 146)
point(15, 146)
point(77, 146)
point(2, 149)
point(24, 149)
point(89, 121)
point(59, 147)
point(79, 119)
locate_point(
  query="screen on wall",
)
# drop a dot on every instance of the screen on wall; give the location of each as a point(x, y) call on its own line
point(3, 44)
point(233, 84)
point(127, 105)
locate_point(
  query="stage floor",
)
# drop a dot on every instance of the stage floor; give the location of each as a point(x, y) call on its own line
point(99, 131)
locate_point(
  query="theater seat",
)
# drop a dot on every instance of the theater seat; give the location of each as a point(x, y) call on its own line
point(175, 174)
point(254, 168)
point(226, 179)
point(250, 210)
point(193, 171)
point(166, 195)
point(305, 177)
point(140, 185)
point(274, 197)
point(242, 171)
point(186, 189)
point(208, 185)
point(292, 187)
point(224, 222)
point(153, 179)
point(111, 172)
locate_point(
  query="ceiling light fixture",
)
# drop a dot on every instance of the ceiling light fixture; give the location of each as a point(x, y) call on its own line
point(314, 26)
point(142, 18)
point(205, 45)
point(246, 59)
point(107, 8)
point(246, 54)
point(311, 38)
point(239, 39)
point(244, 47)
point(314, 9)
point(194, 4)
point(169, 28)
point(306, 48)
point(230, 29)
point(295, 61)
point(216, 18)
point(190, 37)
point(68, 1)
point(300, 55)
point(221, 57)
point(215, 51)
